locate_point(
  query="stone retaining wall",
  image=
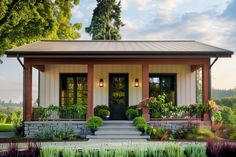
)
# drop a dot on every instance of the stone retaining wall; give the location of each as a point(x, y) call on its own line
point(33, 127)
point(180, 124)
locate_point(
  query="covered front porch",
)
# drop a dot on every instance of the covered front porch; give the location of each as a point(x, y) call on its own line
point(137, 74)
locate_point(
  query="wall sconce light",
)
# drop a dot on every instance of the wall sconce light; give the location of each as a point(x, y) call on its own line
point(136, 82)
point(101, 83)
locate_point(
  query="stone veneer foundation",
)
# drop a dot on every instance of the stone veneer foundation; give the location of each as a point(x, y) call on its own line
point(180, 124)
point(33, 127)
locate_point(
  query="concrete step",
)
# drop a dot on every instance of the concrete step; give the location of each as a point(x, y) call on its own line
point(117, 140)
point(118, 132)
point(118, 122)
point(118, 137)
point(117, 127)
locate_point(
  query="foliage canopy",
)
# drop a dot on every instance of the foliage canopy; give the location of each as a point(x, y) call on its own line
point(32, 20)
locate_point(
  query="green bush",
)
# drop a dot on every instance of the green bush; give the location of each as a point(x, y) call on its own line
point(68, 152)
point(77, 111)
point(195, 150)
point(173, 150)
point(49, 152)
point(3, 118)
point(56, 134)
point(200, 134)
point(131, 113)
point(139, 120)
point(94, 122)
point(99, 107)
point(12, 118)
point(104, 113)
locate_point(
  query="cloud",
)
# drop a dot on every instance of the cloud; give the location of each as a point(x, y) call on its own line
point(76, 13)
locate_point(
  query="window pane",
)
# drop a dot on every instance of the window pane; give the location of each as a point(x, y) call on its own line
point(160, 83)
point(82, 90)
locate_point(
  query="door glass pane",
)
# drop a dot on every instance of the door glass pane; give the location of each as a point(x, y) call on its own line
point(82, 90)
point(154, 86)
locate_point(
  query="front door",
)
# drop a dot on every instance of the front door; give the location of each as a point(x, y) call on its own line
point(118, 95)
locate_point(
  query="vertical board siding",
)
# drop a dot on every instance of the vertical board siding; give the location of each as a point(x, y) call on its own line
point(101, 94)
point(50, 86)
point(186, 81)
point(49, 81)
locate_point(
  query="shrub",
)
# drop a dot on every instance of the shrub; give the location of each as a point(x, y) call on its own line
point(174, 150)
point(12, 118)
point(77, 111)
point(200, 134)
point(49, 152)
point(66, 152)
point(230, 131)
point(131, 113)
point(94, 122)
point(99, 107)
point(3, 118)
point(56, 134)
point(104, 113)
point(139, 120)
point(218, 149)
point(195, 150)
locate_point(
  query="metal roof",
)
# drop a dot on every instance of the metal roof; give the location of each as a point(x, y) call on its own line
point(91, 48)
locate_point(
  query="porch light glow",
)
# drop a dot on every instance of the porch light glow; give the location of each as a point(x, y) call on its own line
point(101, 83)
point(136, 83)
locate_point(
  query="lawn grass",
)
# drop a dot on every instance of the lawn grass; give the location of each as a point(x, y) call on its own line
point(6, 127)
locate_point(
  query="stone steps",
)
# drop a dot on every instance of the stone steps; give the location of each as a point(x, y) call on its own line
point(118, 130)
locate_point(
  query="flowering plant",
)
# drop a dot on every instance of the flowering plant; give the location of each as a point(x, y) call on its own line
point(216, 114)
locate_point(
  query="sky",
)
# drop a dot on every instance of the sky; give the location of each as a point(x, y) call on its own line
point(209, 21)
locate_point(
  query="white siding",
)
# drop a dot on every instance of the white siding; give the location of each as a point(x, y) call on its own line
point(186, 81)
point(49, 82)
point(102, 71)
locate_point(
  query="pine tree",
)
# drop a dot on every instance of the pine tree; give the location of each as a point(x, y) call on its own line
point(106, 21)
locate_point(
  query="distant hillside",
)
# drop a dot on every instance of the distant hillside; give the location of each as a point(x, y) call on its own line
point(10, 104)
point(222, 93)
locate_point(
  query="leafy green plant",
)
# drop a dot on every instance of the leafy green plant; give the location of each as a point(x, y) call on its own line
point(3, 118)
point(174, 150)
point(138, 120)
point(94, 122)
point(200, 134)
point(12, 118)
point(99, 107)
point(77, 111)
point(66, 152)
point(49, 152)
point(104, 113)
point(131, 113)
point(56, 134)
point(195, 150)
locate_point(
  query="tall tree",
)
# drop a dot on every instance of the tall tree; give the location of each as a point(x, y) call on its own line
point(106, 21)
point(27, 21)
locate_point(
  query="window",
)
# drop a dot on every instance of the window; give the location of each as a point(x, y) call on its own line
point(163, 83)
point(73, 89)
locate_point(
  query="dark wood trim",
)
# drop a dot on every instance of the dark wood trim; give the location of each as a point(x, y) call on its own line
point(167, 74)
point(190, 61)
point(74, 75)
point(205, 82)
point(40, 67)
point(28, 92)
point(195, 67)
point(90, 90)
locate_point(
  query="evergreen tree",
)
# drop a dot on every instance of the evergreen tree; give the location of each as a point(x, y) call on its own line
point(106, 21)
point(27, 21)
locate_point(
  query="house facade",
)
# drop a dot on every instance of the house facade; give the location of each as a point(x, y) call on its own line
point(115, 73)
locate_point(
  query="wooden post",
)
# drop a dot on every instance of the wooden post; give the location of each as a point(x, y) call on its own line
point(90, 91)
point(145, 89)
point(27, 92)
point(205, 87)
point(205, 83)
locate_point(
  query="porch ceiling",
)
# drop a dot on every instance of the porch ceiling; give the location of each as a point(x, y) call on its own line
point(114, 49)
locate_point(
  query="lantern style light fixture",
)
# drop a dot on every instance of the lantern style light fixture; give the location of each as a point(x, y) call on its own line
point(136, 82)
point(101, 83)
